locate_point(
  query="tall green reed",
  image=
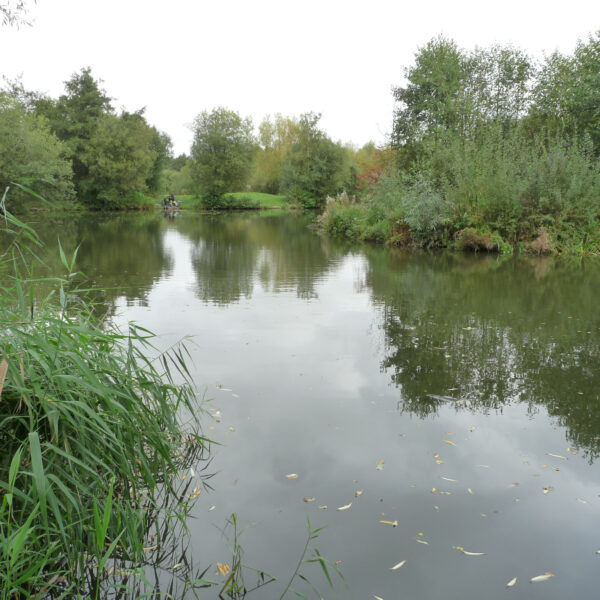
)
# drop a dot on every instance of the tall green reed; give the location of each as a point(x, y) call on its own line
point(90, 432)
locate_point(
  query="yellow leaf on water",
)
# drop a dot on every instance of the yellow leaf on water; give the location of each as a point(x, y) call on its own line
point(511, 582)
point(345, 507)
point(323, 507)
point(422, 541)
point(292, 476)
point(308, 499)
point(358, 493)
point(177, 566)
point(439, 462)
point(436, 455)
point(380, 464)
point(548, 488)
point(543, 577)
point(223, 569)
point(450, 442)
point(469, 490)
point(392, 523)
point(396, 567)
point(448, 479)
point(197, 491)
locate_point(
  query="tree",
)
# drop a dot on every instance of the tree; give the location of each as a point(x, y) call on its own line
point(312, 168)
point(120, 159)
point(31, 154)
point(222, 152)
point(434, 97)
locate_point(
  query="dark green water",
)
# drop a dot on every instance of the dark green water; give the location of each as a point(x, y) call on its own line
point(323, 360)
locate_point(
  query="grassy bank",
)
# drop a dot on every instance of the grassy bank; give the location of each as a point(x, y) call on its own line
point(91, 438)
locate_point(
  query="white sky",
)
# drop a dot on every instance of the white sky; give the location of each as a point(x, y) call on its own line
point(257, 57)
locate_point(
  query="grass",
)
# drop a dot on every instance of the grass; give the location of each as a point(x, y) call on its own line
point(264, 200)
point(89, 430)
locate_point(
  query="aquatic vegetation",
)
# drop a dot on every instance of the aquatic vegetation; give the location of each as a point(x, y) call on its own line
point(91, 435)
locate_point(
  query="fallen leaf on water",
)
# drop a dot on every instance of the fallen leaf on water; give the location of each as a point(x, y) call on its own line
point(461, 549)
point(235, 395)
point(469, 490)
point(483, 466)
point(436, 455)
point(380, 464)
point(555, 469)
point(543, 577)
point(434, 491)
point(450, 442)
point(439, 462)
point(232, 429)
point(358, 493)
point(392, 523)
point(449, 479)
point(400, 564)
point(597, 551)
point(308, 499)
point(323, 507)
point(556, 456)
point(292, 476)
point(548, 488)
point(150, 548)
point(175, 567)
point(513, 484)
point(212, 507)
point(421, 541)
point(345, 507)
point(197, 491)
point(511, 582)
point(338, 562)
point(377, 597)
point(582, 501)
point(223, 569)
point(572, 450)
point(436, 507)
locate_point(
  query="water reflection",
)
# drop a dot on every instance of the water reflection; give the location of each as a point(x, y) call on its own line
point(492, 332)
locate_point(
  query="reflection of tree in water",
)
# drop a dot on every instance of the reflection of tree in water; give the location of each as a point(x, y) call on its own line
point(120, 256)
point(492, 332)
point(232, 253)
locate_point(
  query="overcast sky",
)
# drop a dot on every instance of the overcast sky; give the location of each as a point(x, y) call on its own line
point(258, 57)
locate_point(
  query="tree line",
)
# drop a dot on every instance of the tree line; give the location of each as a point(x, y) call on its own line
point(490, 151)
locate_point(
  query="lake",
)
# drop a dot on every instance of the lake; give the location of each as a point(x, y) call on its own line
point(448, 403)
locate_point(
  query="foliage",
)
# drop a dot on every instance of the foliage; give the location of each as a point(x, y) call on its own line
point(312, 166)
point(222, 153)
point(31, 154)
point(90, 434)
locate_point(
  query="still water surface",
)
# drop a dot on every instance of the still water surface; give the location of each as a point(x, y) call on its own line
point(459, 393)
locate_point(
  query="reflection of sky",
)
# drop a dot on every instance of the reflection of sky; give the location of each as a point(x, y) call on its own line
point(307, 396)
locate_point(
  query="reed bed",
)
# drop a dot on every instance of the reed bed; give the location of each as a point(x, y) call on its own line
point(90, 435)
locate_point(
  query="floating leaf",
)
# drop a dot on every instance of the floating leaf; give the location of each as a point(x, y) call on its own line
point(345, 507)
point(377, 597)
point(232, 429)
point(150, 548)
point(439, 462)
point(177, 566)
point(513, 484)
point(582, 501)
point(212, 507)
point(543, 577)
point(358, 493)
point(223, 569)
point(556, 456)
point(450, 442)
point(396, 567)
point(392, 523)
point(308, 499)
point(548, 488)
point(436, 507)
point(436, 455)
point(197, 491)
point(422, 541)
point(380, 464)
point(323, 507)
point(512, 582)
point(467, 553)
point(469, 490)
point(449, 479)
point(292, 476)
point(555, 469)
